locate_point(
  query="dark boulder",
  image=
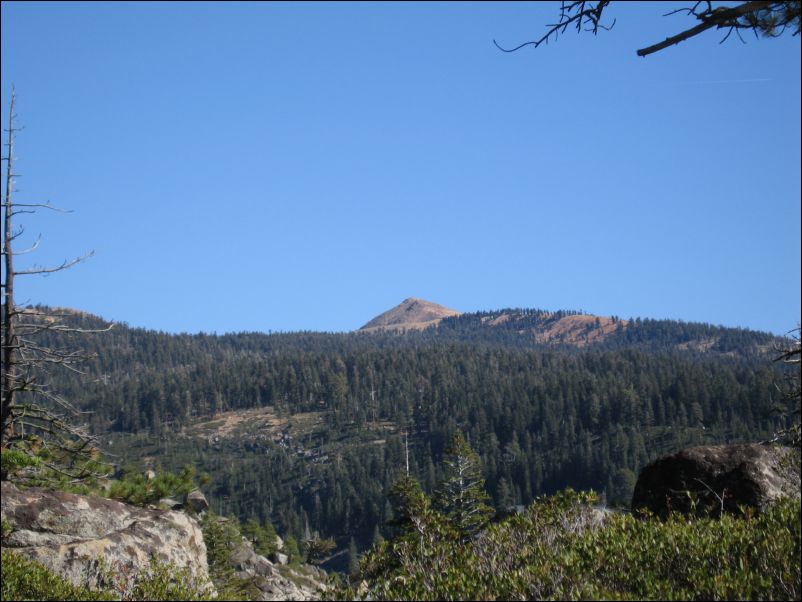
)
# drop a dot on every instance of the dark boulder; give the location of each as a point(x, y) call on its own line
point(712, 478)
point(197, 501)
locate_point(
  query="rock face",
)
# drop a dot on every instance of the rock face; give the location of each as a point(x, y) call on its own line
point(248, 563)
point(717, 476)
point(70, 534)
point(274, 582)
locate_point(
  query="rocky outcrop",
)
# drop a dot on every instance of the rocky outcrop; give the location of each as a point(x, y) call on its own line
point(91, 540)
point(709, 479)
point(277, 582)
point(247, 563)
point(279, 558)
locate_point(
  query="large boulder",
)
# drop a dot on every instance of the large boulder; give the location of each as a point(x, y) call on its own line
point(197, 501)
point(712, 478)
point(99, 543)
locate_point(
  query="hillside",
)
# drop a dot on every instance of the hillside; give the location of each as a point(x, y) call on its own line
point(567, 328)
point(310, 428)
point(416, 322)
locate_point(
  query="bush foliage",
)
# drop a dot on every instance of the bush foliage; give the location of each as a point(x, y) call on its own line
point(135, 488)
point(24, 579)
point(561, 548)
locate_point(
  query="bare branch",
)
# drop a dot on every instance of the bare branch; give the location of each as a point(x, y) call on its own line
point(63, 266)
point(587, 19)
point(46, 205)
point(720, 498)
point(29, 406)
point(771, 18)
point(56, 327)
point(718, 18)
point(31, 248)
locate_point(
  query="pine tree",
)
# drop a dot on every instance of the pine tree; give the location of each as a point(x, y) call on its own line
point(263, 538)
point(316, 550)
point(409, 503)
point(461, 495)
point(377, 535)
point(504, 494)
point(291, 549)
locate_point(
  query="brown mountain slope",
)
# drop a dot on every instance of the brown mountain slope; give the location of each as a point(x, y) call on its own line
point(411, 314)
point(576, 329)
point(580, 330)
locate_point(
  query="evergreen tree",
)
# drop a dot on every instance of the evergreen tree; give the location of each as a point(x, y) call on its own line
point(263, 538)
point(461, 495)
point(377, 536)
point(316, 549)
point(505, 495)
point(221, 536)
point(291, 549)
point(409, 503)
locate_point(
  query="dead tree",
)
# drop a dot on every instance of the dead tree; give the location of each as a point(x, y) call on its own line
point(770, 19)
point(790, 354)
point(41, 431)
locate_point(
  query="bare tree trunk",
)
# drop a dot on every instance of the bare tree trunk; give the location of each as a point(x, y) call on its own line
point(9, 338)
point(34, 418)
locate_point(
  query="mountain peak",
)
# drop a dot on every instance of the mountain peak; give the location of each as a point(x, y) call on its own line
point(411, 314)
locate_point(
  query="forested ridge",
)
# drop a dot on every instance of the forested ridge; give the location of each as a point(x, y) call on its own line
point(349, 406)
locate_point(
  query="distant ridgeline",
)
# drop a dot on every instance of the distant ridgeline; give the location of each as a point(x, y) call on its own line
point(539, 329)
point(310, 428)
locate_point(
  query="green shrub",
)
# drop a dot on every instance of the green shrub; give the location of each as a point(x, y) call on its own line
point(24, 579)
point(556, 550)
point(135, 488)
point(5, 528)
point(12, 460)
point(163, 581)
point(30, 463)
point(702, 559)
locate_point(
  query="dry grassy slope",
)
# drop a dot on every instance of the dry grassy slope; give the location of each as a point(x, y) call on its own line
point(411, 314)
point(580, 330)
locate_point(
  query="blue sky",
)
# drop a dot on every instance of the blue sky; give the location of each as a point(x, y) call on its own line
point(248, 166)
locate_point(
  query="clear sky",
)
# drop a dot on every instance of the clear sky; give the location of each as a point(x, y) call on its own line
point(249, 166)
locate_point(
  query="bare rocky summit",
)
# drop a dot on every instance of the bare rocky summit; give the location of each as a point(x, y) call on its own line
point(411, 314)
